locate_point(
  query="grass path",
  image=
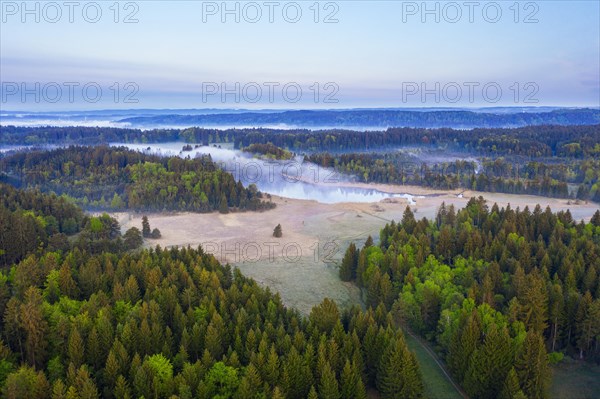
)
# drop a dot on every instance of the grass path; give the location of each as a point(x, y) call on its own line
point(436, 380)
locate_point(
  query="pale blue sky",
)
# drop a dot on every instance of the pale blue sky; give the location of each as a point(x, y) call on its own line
point(375, 54)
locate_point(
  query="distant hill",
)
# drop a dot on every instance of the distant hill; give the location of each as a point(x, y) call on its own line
point(378, 118)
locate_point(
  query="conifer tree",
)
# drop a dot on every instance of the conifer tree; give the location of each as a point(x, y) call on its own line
point(361, 392)
point(271, 368)
point(464, 342)
point(596, 219)
point(59, 390)
point(251, 381)
point(223, 208)
point(589, 327)
point(351, 383)
point(277, 393)
point(349, 264)
point(145, 227)
point(325, 316)
point(534, 304)
point(489, 364)
point(361, 267)
point(122, 390)
point(328, 385)
point(35, 326)
point(296, 378)
point(532, 367)
point(26, 383)
point(398, 374)
point(510, 387)
point(408, 220)
point(111, 369)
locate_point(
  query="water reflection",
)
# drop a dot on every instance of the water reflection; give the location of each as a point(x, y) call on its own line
point(291, 179)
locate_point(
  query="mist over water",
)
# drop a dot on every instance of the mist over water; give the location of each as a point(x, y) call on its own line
point(293, 178)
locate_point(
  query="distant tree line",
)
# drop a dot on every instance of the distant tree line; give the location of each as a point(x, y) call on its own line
point(550, 179)
point(532, 141)
point(378, 117)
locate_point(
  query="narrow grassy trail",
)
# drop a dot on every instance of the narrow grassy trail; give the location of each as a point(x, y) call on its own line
point(437, 382)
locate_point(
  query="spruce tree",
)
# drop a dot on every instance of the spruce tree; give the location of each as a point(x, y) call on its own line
point(510, 387)
point(351, 383)
point(145, 227)
point(76, 348)
point(534, 304)
point(361, 391)
point(59, 390)
point(398, 374)
point(589, 327)
point(277, 393)
point(122, 389)
point(223, 208)
point(408, 220)
point(532, 367)
point(596, 219)
point(328, 386)
point(349, 263)
point(489, 364)
point(463, 343)
point(297, 378)
point(271, 370)
point(361, 267)
point(374, 289)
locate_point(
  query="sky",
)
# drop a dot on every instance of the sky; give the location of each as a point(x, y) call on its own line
point(303, 54)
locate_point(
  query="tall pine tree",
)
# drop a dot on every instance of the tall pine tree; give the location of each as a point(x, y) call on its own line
point(532, 367)
point(398, 375)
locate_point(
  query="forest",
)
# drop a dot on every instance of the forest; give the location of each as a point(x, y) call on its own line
point(376, 118)
point(532, 141)
point(554, 161)
point(501, 293)
point(34, 223)
point(117, 178)
point(548, 177)
point(117, 322)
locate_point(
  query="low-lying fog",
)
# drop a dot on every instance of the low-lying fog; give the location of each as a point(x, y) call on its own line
point(432, 156)
point(291, 179)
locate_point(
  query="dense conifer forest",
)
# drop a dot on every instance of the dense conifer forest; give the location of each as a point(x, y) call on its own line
point(116, 178)
point(109, 322)
point(34, 223)
point(500, 292)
